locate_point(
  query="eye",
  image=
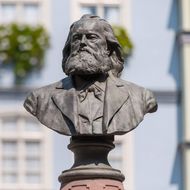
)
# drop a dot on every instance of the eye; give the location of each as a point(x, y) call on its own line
point(76, 37)
point(92, 36)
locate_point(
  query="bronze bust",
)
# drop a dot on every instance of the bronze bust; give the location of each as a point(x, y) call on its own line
point(92, 100)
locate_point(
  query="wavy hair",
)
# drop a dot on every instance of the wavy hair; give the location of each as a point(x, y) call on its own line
point(113, 45)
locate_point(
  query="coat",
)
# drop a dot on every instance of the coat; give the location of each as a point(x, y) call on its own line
point(125, 105)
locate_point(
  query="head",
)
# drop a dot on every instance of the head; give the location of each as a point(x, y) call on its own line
point(91, 48)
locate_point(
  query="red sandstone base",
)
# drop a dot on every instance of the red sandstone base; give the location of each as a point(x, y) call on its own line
point(93, 184)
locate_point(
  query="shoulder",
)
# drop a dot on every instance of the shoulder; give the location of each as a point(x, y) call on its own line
point(48, 88)
point(140, 95)
point(52, 88)
point(131, 87)
point(39, 96)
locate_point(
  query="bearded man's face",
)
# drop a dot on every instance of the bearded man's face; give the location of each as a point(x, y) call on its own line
point(89, 53)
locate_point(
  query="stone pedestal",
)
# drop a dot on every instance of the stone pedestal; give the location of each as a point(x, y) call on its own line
point(91, 169)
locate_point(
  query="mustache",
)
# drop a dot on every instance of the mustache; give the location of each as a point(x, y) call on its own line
point(90, 51)
point(86, 49)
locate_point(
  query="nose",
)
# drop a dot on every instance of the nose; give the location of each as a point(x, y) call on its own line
point(83, 41)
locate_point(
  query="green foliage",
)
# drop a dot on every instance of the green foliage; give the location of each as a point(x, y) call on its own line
point(23, 47)
point(124, 40)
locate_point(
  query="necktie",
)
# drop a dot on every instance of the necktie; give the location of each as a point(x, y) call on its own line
point(83, 94)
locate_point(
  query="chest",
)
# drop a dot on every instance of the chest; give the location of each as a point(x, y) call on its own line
point(90, 114)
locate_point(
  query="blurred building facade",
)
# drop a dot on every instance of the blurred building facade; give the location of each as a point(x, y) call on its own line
point(24, 146)
point(151, 156)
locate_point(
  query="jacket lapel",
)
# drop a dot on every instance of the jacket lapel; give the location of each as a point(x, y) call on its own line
point(115, 98)
point(65, 99)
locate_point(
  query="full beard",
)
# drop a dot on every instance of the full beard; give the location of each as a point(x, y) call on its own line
point(87, 62)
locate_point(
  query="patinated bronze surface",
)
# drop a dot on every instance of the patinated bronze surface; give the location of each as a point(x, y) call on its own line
point(92, 100)
point(98, 184)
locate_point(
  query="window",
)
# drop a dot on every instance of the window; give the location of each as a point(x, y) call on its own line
point(31, 13)
point(88, 10)
point(32, 148)
point(8, 12)
point(24, 152)
point(9, 161)
point(20, 12)
point(9, 178)
point(109, 12)
point(9, 125)
point(32, 164)
point(31, 125)
point(116, 12)
point(33, 178)
point(9, 148)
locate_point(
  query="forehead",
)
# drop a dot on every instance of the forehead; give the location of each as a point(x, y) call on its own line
point(88, 26)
